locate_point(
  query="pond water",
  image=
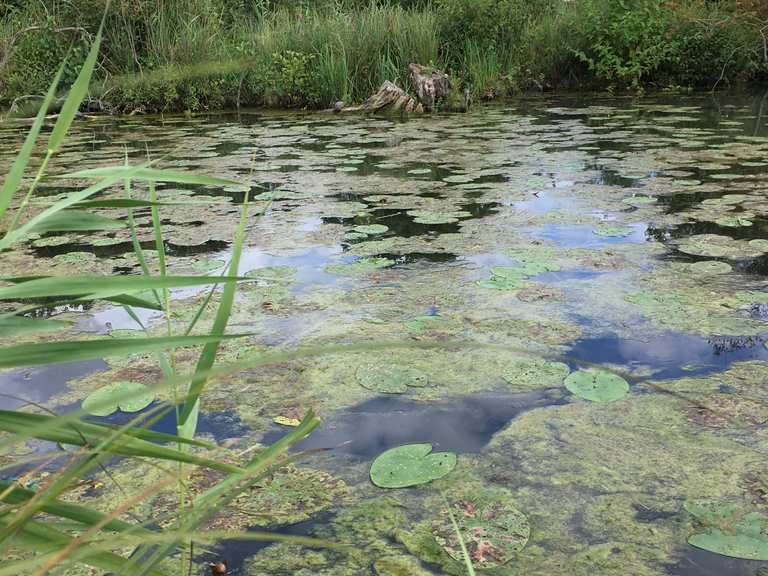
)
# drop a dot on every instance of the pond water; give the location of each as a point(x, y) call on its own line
point(604, 234)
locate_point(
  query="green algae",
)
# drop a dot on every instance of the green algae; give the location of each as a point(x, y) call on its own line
point(289, 495)
point(536, 373)
point(410, 465)
point(710, 268)
point(489, 525)
point(359, 266)
point(612, 231)
point(368, 528)
point(597, 386)
point(695, 309)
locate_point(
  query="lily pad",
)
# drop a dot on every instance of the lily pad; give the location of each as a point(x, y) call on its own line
point(492, 529)
point(612, 231)
point(390, 378)
point(730, 531)
point(139, 399)
point(410, 465)
point(355, 236)
point(597, 386)
point(710, 268)
point(370, 229)
point(717, 246)
point(640, 200)
point(435, 217)
point(536, 373)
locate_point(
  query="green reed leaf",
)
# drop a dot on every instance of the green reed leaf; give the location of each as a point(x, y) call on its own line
point(16, 173)
point(37, 354)
point(151, 175)
point(77, 93)
point(76, 220)
point(99, 286)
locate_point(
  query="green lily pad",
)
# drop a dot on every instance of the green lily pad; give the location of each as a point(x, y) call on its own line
point(390, 378)
point(435, 217)
point(51, 241)
point(536, 373)
point(717, 246)
point(355, 236)
point(730, 531)
point(370, 229)
point(597, 386)
point(640, 200)
point(509, 272)
point(710, 268)
point(733, 222)
point(360, 266)
point(139, 398)
point(612, 231)
point(410, 465)
point(492, 529)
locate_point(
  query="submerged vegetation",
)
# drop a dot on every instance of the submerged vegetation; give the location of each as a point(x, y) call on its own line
point(212, 54)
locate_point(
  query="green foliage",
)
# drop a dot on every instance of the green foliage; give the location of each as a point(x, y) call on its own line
point(291, 81)
point(208, 54)
point(625, 41)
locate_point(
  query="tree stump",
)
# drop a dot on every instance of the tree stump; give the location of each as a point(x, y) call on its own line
point(429, 84)
point(431, 87)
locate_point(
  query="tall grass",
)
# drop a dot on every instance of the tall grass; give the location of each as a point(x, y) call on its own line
point(204, 54)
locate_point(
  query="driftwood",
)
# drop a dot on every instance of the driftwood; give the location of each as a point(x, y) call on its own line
point(390, 98)
point(430, 85)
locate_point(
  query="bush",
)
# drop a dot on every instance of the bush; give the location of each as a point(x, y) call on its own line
point(625, 41)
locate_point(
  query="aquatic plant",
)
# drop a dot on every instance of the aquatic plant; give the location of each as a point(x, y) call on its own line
point(410, 465)
point(82, 541)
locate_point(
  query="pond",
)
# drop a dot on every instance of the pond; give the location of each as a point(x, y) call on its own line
point(537, 241)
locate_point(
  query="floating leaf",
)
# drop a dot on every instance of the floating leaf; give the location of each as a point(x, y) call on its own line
point(410, 465)
point(97, 403)
point(718, 246)
point(390, 378)
point(730, 531)
point(370, 229)
point(640, 200)
point(435, 217)
point(597, 386)
point(710, 268)
point(492, 529)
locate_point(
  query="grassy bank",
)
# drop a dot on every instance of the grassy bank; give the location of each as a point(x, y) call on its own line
point(162, 55)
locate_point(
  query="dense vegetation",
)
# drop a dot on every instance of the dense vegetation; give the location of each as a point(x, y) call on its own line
point(208, 54)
